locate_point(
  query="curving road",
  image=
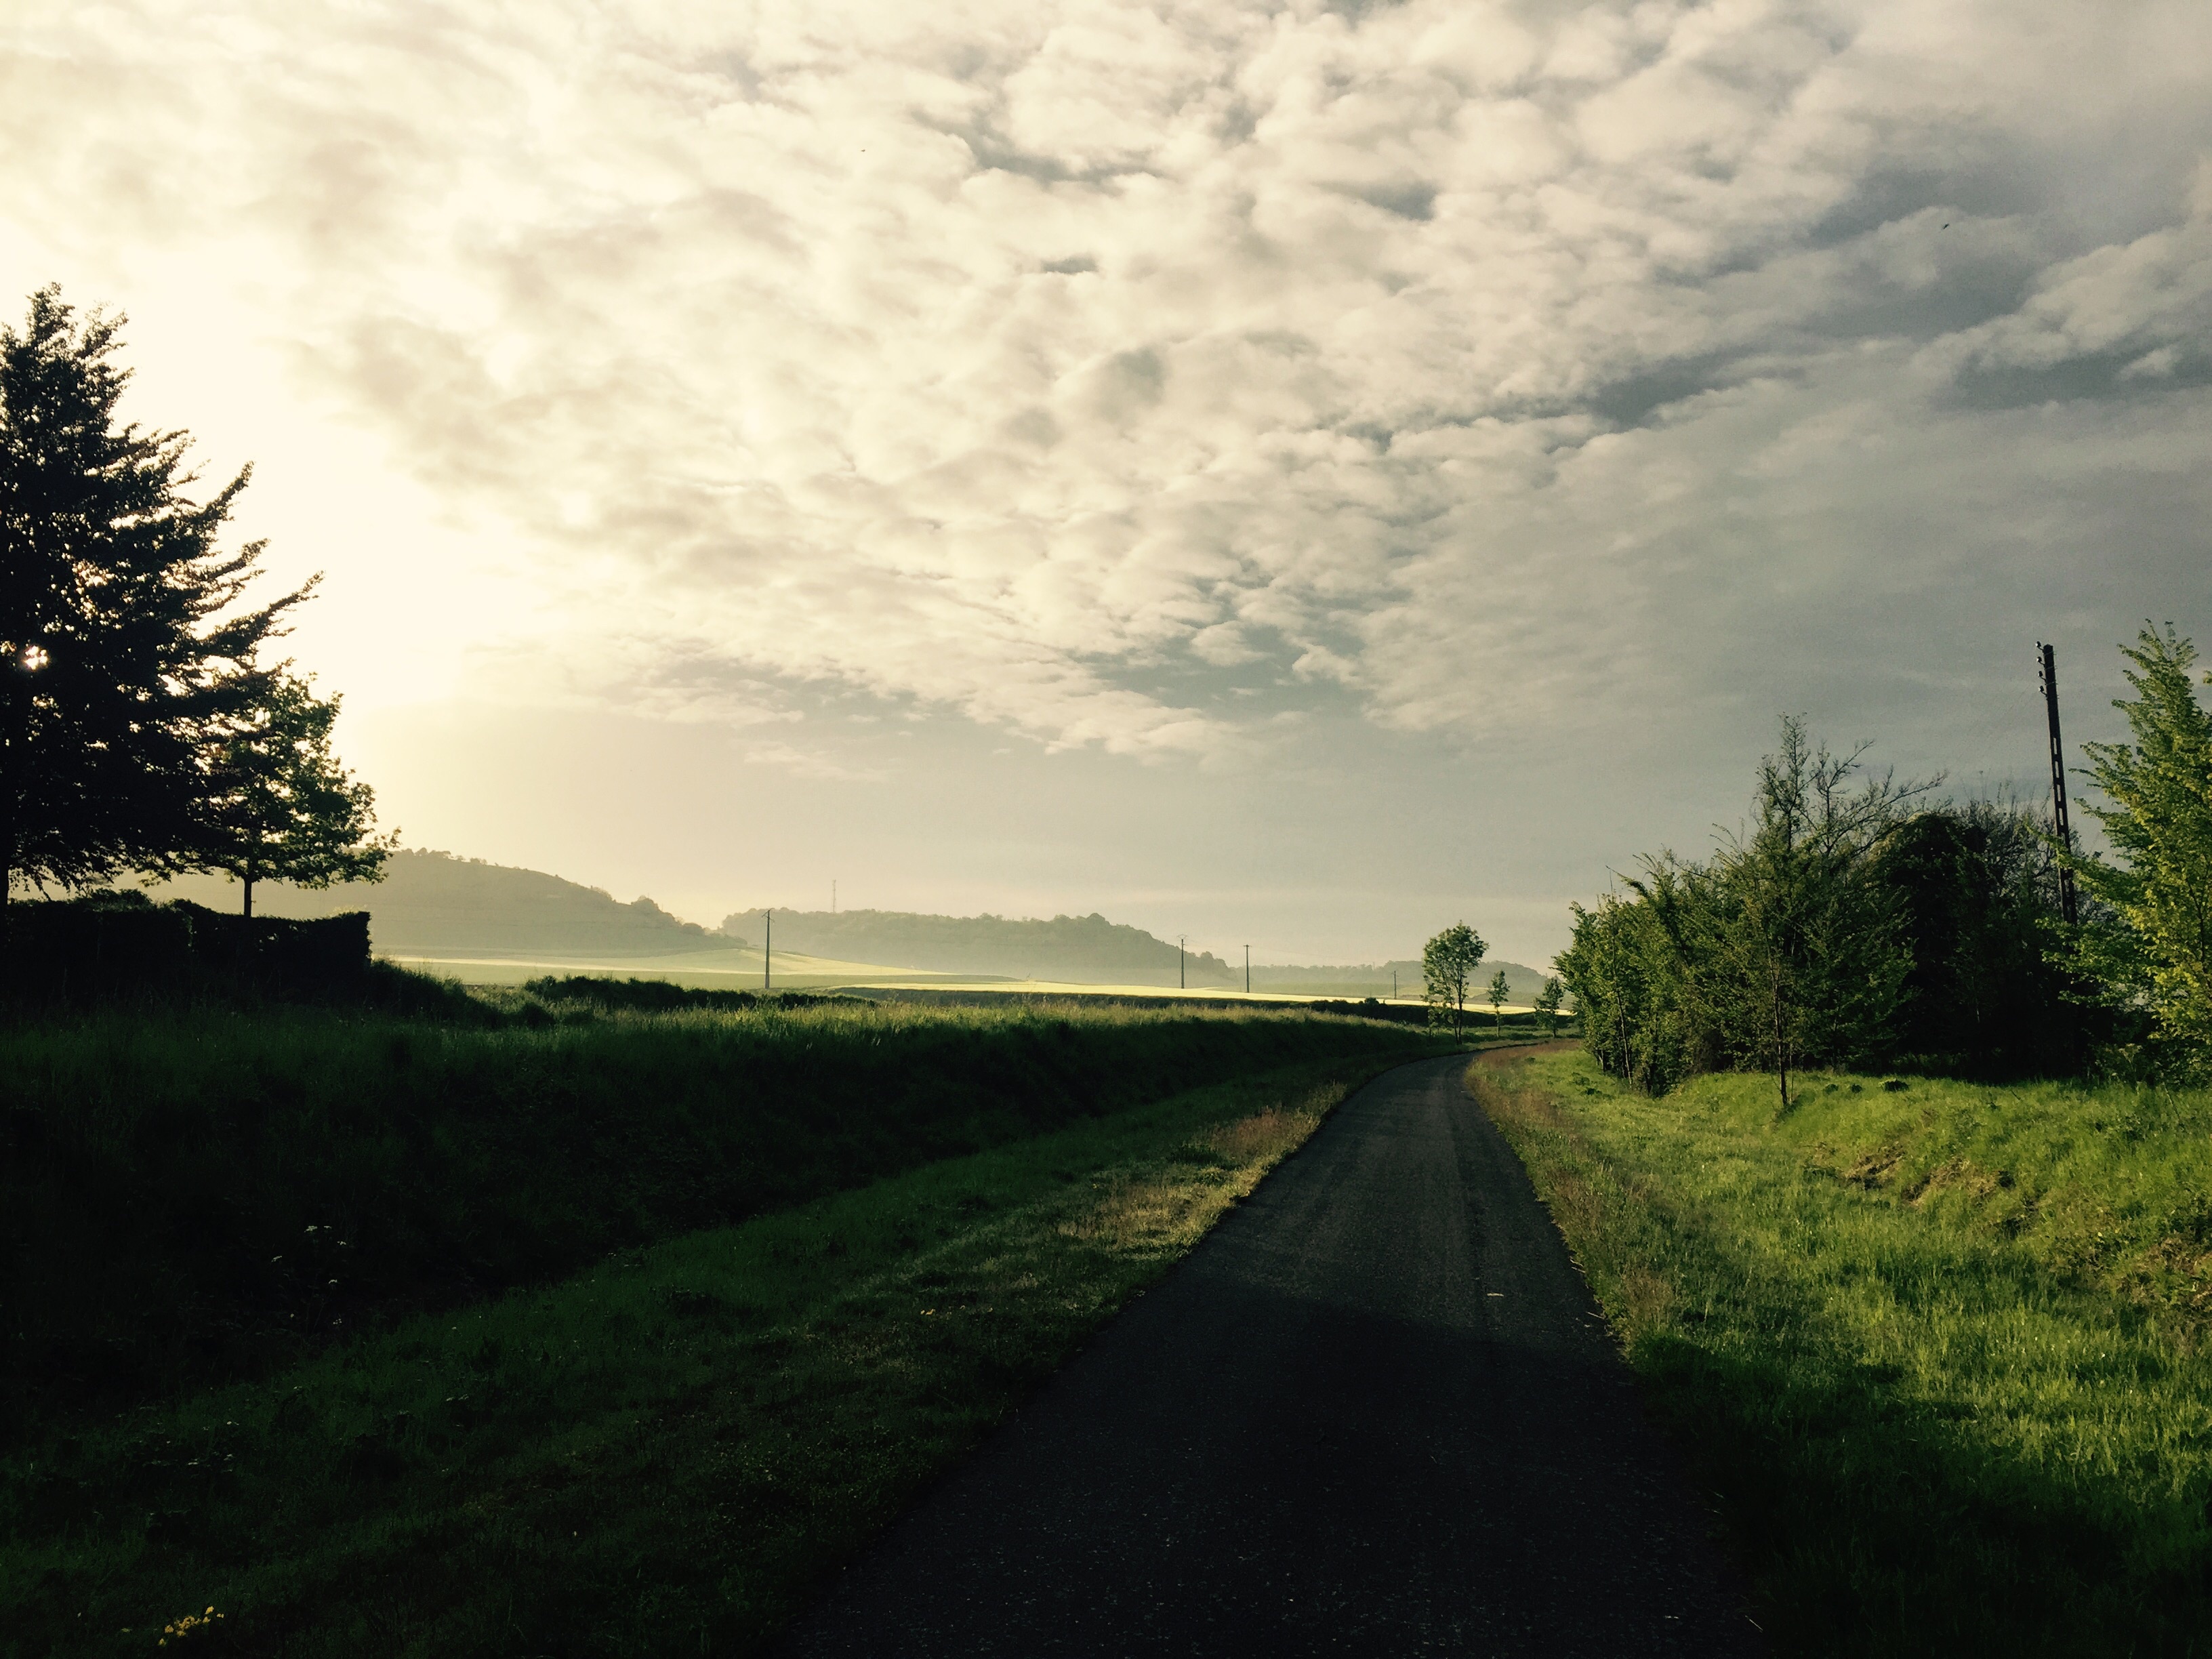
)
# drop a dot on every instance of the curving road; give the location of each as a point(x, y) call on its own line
point(1374, 1412)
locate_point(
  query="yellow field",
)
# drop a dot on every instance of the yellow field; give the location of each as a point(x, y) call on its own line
point(714, 970)
point(740, 971)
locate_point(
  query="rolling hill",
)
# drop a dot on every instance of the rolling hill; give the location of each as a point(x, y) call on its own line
point(435, 907)
point(435, 904)
point(1069, 950)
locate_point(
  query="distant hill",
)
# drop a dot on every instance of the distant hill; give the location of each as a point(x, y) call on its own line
point(1071, 950)
point(436, 905)
point(433, 904)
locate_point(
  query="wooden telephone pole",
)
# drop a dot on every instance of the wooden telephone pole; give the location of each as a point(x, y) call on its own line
point(2058, 823)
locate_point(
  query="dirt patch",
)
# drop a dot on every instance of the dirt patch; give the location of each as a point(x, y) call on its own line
point(1959, 1175)
point(2173, 1277)
point(1873, 1169)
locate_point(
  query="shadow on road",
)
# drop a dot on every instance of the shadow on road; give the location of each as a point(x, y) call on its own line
point(1374, 1411)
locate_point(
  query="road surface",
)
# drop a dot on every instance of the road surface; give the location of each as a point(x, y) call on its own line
point(1373, 1413)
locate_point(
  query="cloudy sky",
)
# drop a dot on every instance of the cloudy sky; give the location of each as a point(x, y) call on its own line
point(1291, 473)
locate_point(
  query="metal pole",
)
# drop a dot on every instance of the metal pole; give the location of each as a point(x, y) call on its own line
point(1248, 970)
point(2058, 823)
point(1181, 983)
point(767, 947)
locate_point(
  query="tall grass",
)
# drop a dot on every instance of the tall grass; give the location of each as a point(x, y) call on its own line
point(1939, 1348)
point(188, 1199)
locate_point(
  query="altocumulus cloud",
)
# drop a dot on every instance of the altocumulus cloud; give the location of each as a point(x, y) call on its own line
point(1139, 376)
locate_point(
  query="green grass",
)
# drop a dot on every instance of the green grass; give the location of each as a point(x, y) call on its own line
point(1938, 1350)
point(664, 1453)
point(188, 1199)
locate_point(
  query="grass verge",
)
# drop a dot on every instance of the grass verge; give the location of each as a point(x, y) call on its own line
point(1936, 1348)
point(187, 1199)
point(665, 1454)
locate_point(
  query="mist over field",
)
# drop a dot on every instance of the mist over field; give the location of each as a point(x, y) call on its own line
point(462, 916)
point(1297, 474)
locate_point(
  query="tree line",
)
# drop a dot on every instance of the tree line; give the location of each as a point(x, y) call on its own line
point(1858, 921)
point(142, 727)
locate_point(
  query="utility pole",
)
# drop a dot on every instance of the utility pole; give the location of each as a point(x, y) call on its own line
point(1393, 985)
point(768, 946)
point(1248, 970)
point(1182, 982)
point(2058, 824)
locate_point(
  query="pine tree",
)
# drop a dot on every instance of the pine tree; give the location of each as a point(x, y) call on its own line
point(123, 646)
point(281, 807)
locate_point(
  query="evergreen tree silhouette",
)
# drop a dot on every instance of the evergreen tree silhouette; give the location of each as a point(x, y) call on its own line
point(124, 650)
point(280, 807)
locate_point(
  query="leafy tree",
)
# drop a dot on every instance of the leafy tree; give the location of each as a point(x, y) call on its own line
point(1783, 951)
point(1609, 974)
point(1448, 965)
point(2156, 949)
point(1804, 958)
point(1978, 887)
point(1497, 994)
point(1633, 968)
point(282, 809)
point(1549, 995)
point(122, 645)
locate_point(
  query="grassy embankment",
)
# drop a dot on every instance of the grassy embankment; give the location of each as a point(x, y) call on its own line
point(195, 1198)
point(1938, 1350)
point(667, 1448)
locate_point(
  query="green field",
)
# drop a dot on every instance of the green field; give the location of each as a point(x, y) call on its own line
point(1937, 1349)
point(640, 1322)
point(196, 1197)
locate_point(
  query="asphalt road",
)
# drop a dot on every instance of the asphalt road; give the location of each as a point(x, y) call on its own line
point(1374, 1412)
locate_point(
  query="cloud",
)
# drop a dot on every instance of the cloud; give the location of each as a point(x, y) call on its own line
point(806, 763)
point(2138, 309)
point(1130, 376)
